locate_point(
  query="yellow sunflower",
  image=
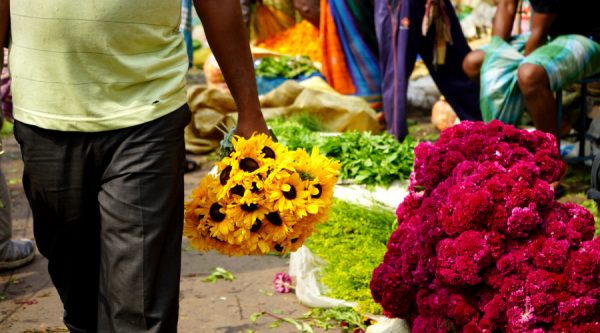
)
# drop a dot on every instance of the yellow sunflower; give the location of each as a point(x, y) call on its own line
point(244, 215)
point(277, 226)
point(249, 153)
point(295, 239)
point(287, 193)
point(255, 243)
point(196, 220)
point(221, 226)
point(224, 247)
point(320, 173)
point(248, 165)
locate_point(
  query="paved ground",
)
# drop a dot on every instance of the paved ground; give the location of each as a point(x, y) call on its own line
point(29, 303)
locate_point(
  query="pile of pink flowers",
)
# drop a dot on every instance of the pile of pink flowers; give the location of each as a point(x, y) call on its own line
point(483, 246)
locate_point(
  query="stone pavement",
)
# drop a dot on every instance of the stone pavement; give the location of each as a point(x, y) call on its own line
point(29, 302)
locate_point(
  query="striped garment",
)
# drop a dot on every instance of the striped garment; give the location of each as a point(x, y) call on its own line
point(186, 28)
point(566, 59)
point(334, 61)
point(354, 22)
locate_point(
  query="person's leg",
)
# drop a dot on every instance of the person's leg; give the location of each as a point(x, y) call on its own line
point(141, 205)
point(539, 99)
point(551, 67)
point(472, 64)
point(453, 83)
point(13, 253)
point(59, 181)
point(396, 60)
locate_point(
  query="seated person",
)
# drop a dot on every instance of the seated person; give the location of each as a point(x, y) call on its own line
point(559, 51)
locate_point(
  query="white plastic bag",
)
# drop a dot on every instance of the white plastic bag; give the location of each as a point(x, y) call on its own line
point(304, 266)
point(390, 196)
point(388, 325)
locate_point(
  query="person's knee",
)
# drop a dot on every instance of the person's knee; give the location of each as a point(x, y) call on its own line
point(532, 78)
point(472, 64)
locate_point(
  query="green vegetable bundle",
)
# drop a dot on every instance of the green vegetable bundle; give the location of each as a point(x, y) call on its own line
point(352, 242)
point(284, 66)
point(365, 158)
point(371, 159)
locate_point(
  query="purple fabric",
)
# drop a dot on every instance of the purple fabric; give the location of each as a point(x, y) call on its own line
point(398, 28)
point(5, 95)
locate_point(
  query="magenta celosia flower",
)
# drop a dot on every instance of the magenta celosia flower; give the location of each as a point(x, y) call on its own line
point(282, 283)
point(481, 244)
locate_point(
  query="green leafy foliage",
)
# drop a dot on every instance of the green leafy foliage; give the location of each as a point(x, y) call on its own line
point(352, 242)
point(365, 158)
point(347, 319)
point(298, 131)
point(285, 66)
point(371, 159)
point(220, 273)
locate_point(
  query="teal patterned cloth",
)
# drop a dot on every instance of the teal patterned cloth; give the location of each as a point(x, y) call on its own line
point(566, 59)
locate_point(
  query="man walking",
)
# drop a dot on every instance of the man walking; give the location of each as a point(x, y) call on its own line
point(99, 99)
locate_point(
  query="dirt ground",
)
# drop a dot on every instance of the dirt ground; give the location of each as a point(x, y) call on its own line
point(29, 302)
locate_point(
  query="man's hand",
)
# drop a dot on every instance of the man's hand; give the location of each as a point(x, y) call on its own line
point(539, 31)
point(226, 34)
point(247, 126)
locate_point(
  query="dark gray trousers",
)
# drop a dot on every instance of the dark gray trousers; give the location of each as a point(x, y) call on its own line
point(108, 214)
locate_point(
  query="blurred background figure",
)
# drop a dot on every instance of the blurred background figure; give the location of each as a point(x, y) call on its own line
point(431, 30)
point(13, 253)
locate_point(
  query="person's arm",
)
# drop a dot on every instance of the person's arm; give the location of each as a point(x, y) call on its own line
point(504, 18)
point(4, 24)
point(226, 34)
point(539, 30)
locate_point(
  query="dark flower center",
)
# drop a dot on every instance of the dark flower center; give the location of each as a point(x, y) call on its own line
point(274, 218)
point(224, 176)
point(217, 239)
point(249, 208)
point(291, 194)
point(215, 213)
point(248, 164)
point(256, 226)
point(278, 247)
point(269, 153)
point(238, 190)
point(318, 195)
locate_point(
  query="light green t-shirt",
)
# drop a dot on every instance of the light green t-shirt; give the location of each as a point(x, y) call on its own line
point(96, 65)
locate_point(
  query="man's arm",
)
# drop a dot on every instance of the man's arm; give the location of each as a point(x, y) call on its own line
point(539, 30)
point(504, 18)
point(4, 23)
point(226, 34)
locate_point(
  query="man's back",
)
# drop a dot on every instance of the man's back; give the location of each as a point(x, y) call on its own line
point(96, 65)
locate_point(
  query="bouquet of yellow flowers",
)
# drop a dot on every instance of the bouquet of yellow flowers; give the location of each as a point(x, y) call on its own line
point(264, 198)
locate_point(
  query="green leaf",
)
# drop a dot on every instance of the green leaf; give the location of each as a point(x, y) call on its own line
point(254, 317)
point(220, 273)
point(352, 258)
